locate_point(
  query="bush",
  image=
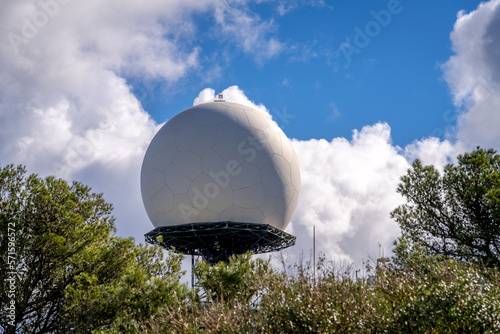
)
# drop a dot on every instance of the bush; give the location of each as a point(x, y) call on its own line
point(426, 293)
point(414, 293)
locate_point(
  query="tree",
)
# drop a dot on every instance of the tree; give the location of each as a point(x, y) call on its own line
point(150, 282)
point(63, 271)
point(235, 282)
point(457, 214)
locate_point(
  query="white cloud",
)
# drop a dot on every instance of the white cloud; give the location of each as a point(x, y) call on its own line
point(473, 75)
point(334, 112)
point(62, 93)
point(286, 6)
point(349, 187)
point(348, 191)
point(247, 30)
point(205, 96)
point(66, 109)
point(432, 151)
point(231, 94)
point(65, 106)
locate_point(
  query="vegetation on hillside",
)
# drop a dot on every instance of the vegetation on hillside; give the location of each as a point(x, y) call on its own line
point(413, 293)
point(63, 270)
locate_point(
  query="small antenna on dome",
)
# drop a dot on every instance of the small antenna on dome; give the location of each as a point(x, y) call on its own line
point(220, 96)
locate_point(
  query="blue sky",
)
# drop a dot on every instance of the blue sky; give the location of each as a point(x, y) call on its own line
point(396, 78)
point(362, 88)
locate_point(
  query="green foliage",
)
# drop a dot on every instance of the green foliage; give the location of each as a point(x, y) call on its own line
point(231, 294)
point(237, 281)
point(149, 282)
point(456, 214)
point(414, 293)
point(73, 276)
point(421, 293)
point(64, 270)
point(326, 304)
point(61, 232)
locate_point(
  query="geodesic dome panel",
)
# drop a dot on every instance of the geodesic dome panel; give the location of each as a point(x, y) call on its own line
point(220, 161)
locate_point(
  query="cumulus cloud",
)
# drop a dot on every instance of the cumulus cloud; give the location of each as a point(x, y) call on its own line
point(231, 94)
point(473, 75)
point(348, 191)
point(63, 94)
point(66, 106)
point(432, 151)
point(67, 109)
point(348, 187)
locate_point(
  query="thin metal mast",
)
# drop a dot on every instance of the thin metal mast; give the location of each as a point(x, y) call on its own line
point(314, 253)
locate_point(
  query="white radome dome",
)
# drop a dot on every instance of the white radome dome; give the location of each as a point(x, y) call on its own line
point(220, 161)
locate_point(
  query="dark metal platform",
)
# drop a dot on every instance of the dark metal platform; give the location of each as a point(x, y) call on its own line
point(218, 241)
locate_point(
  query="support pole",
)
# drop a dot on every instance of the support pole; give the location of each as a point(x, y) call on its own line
point(192, 271)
